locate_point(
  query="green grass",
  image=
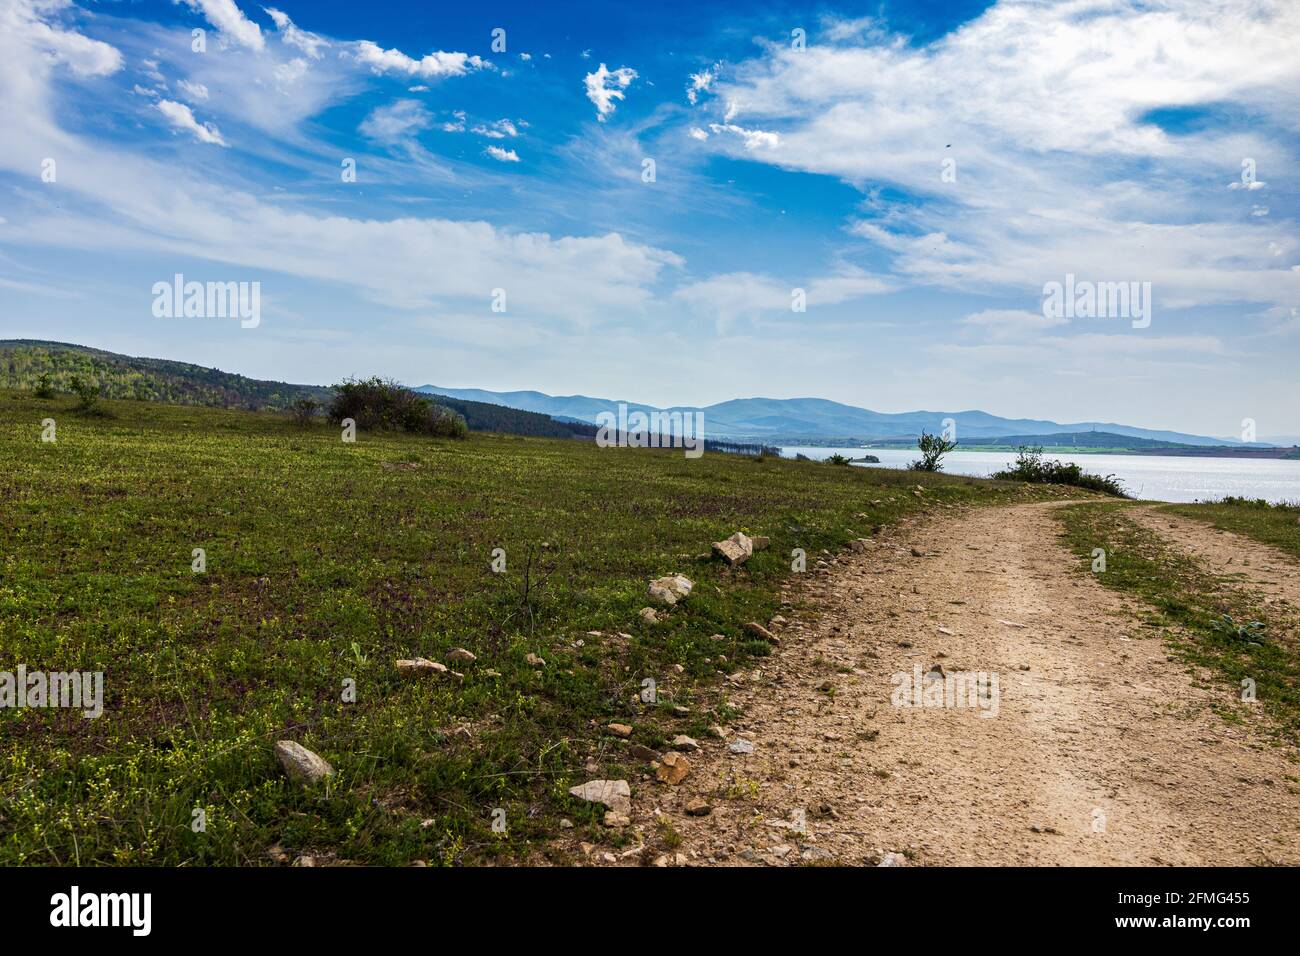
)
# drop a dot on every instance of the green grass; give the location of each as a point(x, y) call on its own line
point(323, 565)
point(1278, 525)
point(1189, 604)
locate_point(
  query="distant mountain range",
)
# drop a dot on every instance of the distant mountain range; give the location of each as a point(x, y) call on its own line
point(792, 421)
point(771, 421)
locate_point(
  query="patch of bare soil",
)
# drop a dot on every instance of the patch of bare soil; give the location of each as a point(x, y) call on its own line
point(1093, 747)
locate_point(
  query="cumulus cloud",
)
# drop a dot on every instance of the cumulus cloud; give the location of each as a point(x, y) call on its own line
point(182, 118)
point(432, 66)
point(605, 86)
point(230, 20)
point(499, 129)
point(754, 138)
point(700, 82)
point(396, 121)
point(502, 155)
point(696, 133)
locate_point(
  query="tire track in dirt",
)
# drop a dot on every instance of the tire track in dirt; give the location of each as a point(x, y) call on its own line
point(1102, 750)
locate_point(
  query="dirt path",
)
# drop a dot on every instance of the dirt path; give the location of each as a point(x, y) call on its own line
point(1250, 563)
point(1099, 751)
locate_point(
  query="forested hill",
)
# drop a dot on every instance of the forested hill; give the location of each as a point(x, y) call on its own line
point(24, 361)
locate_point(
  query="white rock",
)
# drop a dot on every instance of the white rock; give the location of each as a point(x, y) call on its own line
point(613, 794)
point(670, 589)
point(301, 764)
point(735, 550)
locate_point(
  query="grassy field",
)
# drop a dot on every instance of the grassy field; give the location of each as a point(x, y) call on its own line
point(326, 562)
point(1188, 605)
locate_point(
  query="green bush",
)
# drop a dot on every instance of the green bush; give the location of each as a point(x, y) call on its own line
point(1031, 467)
point(377, 404)
point(933, 448)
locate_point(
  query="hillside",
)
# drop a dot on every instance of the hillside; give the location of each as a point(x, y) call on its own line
point(23, 362)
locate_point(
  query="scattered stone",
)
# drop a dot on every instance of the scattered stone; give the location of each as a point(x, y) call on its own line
point(780, 852)
point(673, 768)
point(301, 764)
point(715, 730)
point(670, 589)
point(620, 730)
point(461, 656)
point(760, 542)
point(615, 795)
point(614, 818)
point(758, 630)
point(680, 711)
point(936, 673)
point(566, 824)
point(534, 660)
point(918, 553)
point(944, 630)
point(741, 746)
point(777, 621)
point(861, 544)
point(1011, 623)
point(305, 860)
point(491, 672)
point(642, 752)
point(816, 854)
point(420, 667)
point(735, 550)
point(893, 859)
point(698, 807)
point(682, 742)
point(276, 854)
point(648, 615)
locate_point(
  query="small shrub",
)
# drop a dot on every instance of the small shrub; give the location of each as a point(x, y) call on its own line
point(933, 448)
point(377, 404)
point(1031, 467)
point(87, 394)
point(44, 388)
point(837, 459)
point(304, 411)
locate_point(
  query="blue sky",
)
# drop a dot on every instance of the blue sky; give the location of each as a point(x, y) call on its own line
point(1096, 138)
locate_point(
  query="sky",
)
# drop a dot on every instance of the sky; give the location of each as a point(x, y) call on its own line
point(674, 203)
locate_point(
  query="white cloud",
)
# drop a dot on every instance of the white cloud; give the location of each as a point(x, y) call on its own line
point(457, 125)
point(396, 121)
point(700, 83)
point(502, 155)
point(696, 133)
point(499, 129)
point(230, 20)
point(1250, 186)
point(82, 55)
point(182, 118)
point(525, 57)
point(432, 66)
point(1058, 166)
point(310, 43)
point(602, 94)
point(193, 91)
point(1011, 323)
point(754, 138)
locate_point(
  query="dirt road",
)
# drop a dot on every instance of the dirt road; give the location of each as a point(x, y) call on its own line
point(1093, 747)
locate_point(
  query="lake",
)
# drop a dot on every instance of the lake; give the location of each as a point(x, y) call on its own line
point(1155, 477)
